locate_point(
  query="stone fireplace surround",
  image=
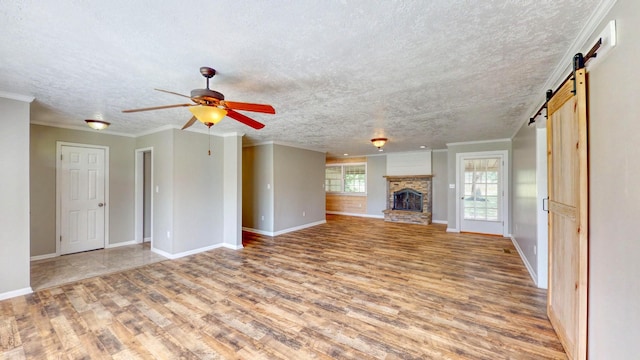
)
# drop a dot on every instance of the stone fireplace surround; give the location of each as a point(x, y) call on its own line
point(420, 183)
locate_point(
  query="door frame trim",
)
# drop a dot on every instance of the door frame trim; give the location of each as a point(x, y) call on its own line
point(505, 185)
point(59, 145)
point(138, 230)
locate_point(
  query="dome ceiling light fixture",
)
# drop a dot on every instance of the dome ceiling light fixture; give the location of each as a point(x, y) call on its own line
point(379, 142)
point(97, 124)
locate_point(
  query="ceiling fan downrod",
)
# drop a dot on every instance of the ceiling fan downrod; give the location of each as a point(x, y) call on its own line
point(208, 73)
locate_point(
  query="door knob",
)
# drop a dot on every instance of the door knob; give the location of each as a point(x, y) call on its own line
point(100, 204)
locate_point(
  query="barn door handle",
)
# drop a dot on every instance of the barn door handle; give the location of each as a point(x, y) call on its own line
point(543, 203)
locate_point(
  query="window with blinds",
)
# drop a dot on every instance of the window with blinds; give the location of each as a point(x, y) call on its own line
point(346, 178)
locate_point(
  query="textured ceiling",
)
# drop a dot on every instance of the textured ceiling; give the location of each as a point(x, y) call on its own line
point(338, 72)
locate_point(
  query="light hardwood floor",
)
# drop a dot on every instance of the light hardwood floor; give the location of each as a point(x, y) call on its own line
point(353, 288)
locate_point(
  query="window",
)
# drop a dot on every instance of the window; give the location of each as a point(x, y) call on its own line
point(481, 189)
point(346, 178)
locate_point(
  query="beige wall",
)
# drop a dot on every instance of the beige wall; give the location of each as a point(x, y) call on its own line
point(298, 177)
point(188, 190)
point(524, 194)
point(376, 185)
point(257, 187)
point(197, 191)
point(43, 184)
point(14, 198)
point(162, 144)
point(439, 166)
point(283, 184)
point(614, 193)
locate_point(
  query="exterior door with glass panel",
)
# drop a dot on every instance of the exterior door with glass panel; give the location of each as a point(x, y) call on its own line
point(481, 201)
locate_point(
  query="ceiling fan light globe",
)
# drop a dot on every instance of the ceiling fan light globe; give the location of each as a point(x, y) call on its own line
point(208, 114)
point(97, 124)
point(379, 142)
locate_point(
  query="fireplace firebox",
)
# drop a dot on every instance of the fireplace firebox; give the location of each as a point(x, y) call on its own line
point(407, 200)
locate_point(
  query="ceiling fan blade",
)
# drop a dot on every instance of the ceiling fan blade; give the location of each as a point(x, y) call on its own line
point(244, 119)
point(189, 123)
point(171, 92)
point(262, 108)
point(156, 108)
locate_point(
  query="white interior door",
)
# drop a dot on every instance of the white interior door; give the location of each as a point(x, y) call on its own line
point(82, 198)
point(482, 193)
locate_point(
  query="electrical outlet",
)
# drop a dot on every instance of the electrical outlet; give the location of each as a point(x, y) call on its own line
point(535, 250)
point(262, 217)
point(168, 234)
point(304, 213)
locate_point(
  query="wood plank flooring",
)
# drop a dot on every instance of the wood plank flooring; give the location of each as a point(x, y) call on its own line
point(353, 288)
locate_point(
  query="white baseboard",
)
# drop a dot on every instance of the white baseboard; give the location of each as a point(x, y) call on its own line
point(124, 243)
point(296, 228)
point(451, 230)
point(280, 232)
point(356, 214)
point(257, 231)
point(14, 293)
point(532, 273)
point(186, 253)
point(443, 222)
point(42, 257)
point(232, 247)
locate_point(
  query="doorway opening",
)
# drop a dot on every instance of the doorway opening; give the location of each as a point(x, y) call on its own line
point(144, 196)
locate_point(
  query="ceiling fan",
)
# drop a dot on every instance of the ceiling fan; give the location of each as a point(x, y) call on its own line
point(209, 106)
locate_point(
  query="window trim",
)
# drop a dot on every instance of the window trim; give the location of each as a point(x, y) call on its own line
point(342, 166)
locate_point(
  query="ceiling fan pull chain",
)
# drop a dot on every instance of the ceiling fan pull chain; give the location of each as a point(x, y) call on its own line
point(209, 130)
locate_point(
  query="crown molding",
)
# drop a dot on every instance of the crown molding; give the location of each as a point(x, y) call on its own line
point(477, 142)
point(561, 70)
point(82, 128)
point(18, 97)
point(281, 143)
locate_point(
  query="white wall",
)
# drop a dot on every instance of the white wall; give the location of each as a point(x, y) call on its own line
point(14, 195)
point(614, 192)
point(409, 163)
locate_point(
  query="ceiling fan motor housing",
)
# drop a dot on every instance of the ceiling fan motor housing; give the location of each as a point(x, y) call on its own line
point(206, 94)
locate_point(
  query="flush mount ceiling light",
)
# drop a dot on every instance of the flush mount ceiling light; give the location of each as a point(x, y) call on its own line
point(208, 115)
point(97, 124)
point(379, 142)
